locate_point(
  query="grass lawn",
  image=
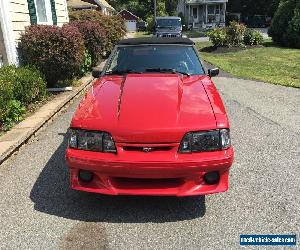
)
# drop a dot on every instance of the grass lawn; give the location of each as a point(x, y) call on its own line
point(271, 64)
point(194, 33)
point(142, 34)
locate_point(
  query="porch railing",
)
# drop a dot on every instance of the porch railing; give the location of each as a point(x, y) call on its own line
point(205, 1)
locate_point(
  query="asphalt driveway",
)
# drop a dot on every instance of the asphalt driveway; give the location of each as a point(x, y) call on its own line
point(39, 211)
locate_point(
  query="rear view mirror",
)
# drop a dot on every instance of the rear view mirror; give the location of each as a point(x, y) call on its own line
point(213, 72)
point(96, 73)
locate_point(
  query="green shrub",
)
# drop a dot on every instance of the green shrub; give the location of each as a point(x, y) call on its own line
point(285, 27)
point(218, 37)
point(94, 36)
point(235, 34)
point(18, 88)
point(293, 32)
point(29, 85)
point(232, 18)
point(114, 26)
point(184, 22)
point(87, 63)
point(15, 113)
point(150, 21)
point(253, 37)
point(6, 95)
point(57, 52)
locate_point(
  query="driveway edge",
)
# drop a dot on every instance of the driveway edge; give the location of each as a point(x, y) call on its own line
point(25, 130)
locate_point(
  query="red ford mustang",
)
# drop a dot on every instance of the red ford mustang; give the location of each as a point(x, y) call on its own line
point(152, 124)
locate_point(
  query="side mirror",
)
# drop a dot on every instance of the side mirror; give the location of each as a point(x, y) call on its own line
point(213, 72)
point(96, 73)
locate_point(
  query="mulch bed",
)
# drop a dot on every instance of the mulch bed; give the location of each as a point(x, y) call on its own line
point(222, 50)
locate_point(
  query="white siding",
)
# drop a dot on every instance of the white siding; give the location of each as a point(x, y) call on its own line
point(3, 58)
point(61, 12)
point(19, 16)
point(180, 7)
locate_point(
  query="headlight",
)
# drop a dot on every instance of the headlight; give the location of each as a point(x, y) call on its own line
point(203, 141)
point(92, 141)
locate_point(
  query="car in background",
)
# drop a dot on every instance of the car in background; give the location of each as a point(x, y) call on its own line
point(153, 123)
point(257, 21)
point(168, 27)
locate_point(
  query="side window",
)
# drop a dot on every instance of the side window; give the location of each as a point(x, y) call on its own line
point(43, 12)
point(114, 62)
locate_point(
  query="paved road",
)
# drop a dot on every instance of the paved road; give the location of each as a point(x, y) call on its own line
point(39, 211)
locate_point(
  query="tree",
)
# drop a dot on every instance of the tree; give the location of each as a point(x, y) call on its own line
point(171, 7)
point(293, 32)
point(253, 7)
point(285, 28)
point(142, 8)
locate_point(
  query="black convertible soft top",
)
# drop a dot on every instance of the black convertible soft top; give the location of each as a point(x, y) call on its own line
point(156, 40)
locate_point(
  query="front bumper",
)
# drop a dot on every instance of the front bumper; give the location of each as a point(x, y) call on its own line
point(155, 173)
point(166, 34)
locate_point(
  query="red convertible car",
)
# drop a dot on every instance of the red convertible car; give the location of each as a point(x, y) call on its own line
point(152, 124)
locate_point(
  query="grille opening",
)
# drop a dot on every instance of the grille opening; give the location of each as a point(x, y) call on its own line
point(169, 35)
point(146, 183)
point(141, 149)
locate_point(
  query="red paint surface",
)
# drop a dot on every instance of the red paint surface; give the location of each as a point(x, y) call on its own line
point(150, 110)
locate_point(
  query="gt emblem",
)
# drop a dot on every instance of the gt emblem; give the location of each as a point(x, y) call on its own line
point(147, 150)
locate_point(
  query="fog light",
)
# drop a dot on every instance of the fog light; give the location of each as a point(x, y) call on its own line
point(85, 176)
point(212, 178)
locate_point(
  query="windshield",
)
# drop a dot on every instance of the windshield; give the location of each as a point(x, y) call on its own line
point(155, 58)
point(167, 23)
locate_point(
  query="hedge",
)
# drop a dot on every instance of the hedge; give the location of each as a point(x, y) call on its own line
point(18, 88)
point(236, 35)
point(253, 37)
point(285, 27)
point(114, 26)
point(57, 52)
point(94, 36)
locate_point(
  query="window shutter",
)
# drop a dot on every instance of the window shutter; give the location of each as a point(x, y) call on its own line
point(32, 11)
point(53, 10)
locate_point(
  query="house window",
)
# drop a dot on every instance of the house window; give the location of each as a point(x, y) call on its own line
point(195, 13)
point(211, 10)
point(43, 12)
point(218, 9)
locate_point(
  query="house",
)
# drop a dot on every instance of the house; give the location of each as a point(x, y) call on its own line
point(203, 13)
point(100, 5)
point(81, 5)
point(15, 15)
point(130, 20)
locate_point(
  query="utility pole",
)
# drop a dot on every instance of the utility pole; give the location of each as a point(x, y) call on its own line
point(155, 9)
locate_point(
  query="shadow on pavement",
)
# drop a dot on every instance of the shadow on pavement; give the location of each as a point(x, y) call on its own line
point(51, 194)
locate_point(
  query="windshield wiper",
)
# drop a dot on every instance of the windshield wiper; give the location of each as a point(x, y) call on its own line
point(121, 72)
point(162, 70)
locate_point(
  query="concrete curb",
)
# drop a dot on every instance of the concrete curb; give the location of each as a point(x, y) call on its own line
point(22, 132)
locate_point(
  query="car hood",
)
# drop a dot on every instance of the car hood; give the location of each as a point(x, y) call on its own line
point(147, 108)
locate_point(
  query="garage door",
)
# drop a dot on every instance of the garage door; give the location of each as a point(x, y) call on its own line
point(131, 26)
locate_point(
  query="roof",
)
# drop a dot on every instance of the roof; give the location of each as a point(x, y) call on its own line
point(127, 15)
point(104, 3)
point(101, 3)
point(168, 17)
point(80, 4)
point(156, 40)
